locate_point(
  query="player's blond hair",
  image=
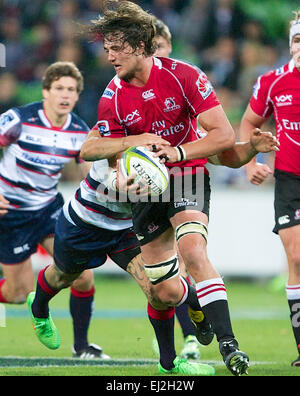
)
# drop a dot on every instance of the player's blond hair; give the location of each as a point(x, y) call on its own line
point(161, 29)
point(296, 17)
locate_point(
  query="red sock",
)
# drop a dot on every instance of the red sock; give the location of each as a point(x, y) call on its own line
point(44, 293)
point(2, 299)
point(163, 325)
point(81, 309)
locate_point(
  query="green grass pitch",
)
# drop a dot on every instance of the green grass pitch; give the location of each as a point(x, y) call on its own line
point(260, 321)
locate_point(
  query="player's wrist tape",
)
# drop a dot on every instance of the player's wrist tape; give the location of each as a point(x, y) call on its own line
point(181, 154)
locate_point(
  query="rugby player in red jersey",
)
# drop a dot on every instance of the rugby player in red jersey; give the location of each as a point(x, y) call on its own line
point(278, 92)
point(191, 347)
point(167, 97)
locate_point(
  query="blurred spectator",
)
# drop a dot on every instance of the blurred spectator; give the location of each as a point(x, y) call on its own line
point(11, 37)
point(251, 61)
point(8, 91)
point(253, 31)
point(221, 63)
point(229, 39)
point(70, 51)
point(195, 23)
point(164, 10)
point(227, 20)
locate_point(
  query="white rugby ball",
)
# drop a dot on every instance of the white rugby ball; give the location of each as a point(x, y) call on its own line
point(140, 160)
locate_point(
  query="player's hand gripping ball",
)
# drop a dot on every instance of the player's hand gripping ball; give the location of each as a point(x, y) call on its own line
point(148, 169)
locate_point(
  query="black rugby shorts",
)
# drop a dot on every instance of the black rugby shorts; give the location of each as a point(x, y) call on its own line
point(151, 219)
point(286, 200)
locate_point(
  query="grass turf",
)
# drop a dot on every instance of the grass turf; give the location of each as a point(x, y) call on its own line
point(260, 321)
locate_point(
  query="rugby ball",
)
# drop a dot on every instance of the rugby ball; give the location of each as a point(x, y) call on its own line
point(148, 169)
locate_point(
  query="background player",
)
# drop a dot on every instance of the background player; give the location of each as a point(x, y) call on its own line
point(38, 140)
point(278, 92)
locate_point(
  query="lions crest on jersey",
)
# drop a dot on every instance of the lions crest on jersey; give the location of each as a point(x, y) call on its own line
point(103, 128)
point(204, 86)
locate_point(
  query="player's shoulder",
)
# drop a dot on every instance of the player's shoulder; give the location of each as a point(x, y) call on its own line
point(179, 67)
point(111, 88)
point(29, 112)
point(78, 124)
point(276, 74)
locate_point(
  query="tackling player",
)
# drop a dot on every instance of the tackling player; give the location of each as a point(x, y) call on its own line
point(38, 140)
point(278, 92)
point(166, 97)
point(91, 227)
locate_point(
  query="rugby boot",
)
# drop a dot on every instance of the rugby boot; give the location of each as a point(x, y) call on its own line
point(296, 363)
point(44, 329)
point(191, 348)
point(183, 366)
point(203, 329)
point(92, 351)
point(235, 360)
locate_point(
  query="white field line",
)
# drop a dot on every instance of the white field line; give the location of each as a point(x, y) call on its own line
point(14, 361)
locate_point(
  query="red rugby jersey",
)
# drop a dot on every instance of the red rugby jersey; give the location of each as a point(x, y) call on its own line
point(168, 105)
point(278, 92)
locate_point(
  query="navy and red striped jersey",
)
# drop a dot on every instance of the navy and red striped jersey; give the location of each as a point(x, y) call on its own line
point(34, 153)
point(95, 205)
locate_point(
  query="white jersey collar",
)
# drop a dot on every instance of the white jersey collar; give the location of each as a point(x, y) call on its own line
point(48, 124)
point(157, 62)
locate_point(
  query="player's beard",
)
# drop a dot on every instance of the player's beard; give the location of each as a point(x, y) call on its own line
point(129, 75)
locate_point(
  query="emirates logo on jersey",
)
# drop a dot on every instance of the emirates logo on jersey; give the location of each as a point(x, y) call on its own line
point(170, 105)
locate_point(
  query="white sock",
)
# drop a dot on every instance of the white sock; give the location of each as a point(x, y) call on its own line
point(211, 290)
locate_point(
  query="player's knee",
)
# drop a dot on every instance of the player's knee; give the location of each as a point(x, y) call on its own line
point(18, 294)
point(60, 279)
point(155, 301)
point(294, 259)
point(168, 294)
point(84, 282)
point(191, 237)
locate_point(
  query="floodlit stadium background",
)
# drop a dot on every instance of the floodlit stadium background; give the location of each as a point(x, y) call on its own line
point(232, 41)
